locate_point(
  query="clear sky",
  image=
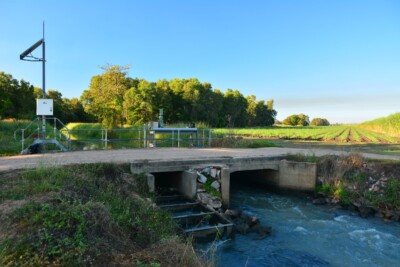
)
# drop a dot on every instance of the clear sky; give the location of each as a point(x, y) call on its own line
point(336, 59)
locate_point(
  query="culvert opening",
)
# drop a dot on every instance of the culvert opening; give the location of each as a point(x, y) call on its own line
point(166, 182)
point(255, 178)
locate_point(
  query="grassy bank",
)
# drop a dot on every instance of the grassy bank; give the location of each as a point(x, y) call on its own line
point(84, 215)
point(370, 187)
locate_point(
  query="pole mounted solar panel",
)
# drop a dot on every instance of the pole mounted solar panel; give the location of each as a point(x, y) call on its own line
point(30, 50)
point(27, 56)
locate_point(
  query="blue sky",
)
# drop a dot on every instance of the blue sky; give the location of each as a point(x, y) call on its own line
point(334, 59)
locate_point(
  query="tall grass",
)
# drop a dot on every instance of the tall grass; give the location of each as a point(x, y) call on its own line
point(389, 125)
point(8, 145)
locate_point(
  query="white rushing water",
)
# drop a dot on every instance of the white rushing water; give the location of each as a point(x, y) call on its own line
point(307, 235)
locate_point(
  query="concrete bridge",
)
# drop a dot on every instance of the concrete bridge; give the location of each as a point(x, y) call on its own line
point(273, 171)
point(265, 164)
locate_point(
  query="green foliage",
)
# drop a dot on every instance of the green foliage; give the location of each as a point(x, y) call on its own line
point(319, 122)
point(241, 143)
point(392, 192)
point(58, 234)
point(79, 213)
point(302, 157)
point(259, 113)
point(297, 120)
point(211, 190)
point(324, 188)
point(390, 197)
point(341, 133)
point(8, 145)
point(114, 99)
point(389, 125)
point(16, 98)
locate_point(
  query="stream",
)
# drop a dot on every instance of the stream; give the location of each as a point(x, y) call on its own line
point(305, 235)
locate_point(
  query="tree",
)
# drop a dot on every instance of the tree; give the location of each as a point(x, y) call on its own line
point(234, 108)
point(215, 115)
point(105, 97)
point(139, 103)
point(297, 120)
point(319, 122)
point(264, 115)
point(16, 98)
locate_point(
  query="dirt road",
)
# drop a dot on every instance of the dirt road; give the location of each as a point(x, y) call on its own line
point(132, 155)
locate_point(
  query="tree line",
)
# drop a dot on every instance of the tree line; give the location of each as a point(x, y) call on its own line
point(18, 101)
point(114, 99)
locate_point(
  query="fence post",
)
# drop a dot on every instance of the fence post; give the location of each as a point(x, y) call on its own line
point(172, 139)
point(179, 138)
point(23, 139)
point(209, 137)
point(106, 138)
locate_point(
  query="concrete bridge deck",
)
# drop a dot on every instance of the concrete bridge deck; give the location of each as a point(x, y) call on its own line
point(158, 154)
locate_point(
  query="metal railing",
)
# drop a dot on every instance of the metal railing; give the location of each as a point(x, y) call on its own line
point(56, 131)
point(101, 138)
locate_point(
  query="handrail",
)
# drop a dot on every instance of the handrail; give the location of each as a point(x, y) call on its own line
point(15, 132)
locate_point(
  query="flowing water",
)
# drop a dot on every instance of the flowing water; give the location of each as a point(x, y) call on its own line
point(306, 235)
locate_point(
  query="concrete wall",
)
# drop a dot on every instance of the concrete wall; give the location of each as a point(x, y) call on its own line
point(187, 184)
point(225, 186)
point(297, 175)
point(290, 175)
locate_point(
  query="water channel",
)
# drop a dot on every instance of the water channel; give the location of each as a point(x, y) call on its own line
point(305, 234)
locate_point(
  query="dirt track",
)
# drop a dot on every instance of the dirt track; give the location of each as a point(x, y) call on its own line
point(131, 155)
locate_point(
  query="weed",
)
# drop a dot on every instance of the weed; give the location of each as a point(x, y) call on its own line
point(392, 192)
point(211, 190)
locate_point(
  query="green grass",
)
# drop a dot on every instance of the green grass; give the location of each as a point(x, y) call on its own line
point(341, 133)
point(78, 216)
point(8, 145)
point(389, 125)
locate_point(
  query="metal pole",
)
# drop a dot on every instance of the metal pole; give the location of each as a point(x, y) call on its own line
point(144, 136)
point(44, 83)
point(106, 138)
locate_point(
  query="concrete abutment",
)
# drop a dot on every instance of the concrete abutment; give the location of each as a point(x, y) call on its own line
point(276, 172)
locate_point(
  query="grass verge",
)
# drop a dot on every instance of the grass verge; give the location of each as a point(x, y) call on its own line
point(96, 214)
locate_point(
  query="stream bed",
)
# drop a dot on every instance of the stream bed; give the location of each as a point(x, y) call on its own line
point(304, 234)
